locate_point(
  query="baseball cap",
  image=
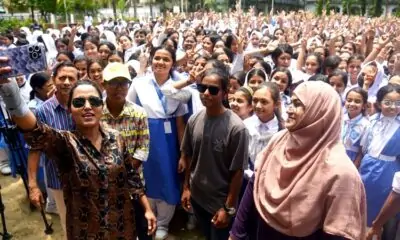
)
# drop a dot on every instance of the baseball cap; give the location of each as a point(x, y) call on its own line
point(116, 70)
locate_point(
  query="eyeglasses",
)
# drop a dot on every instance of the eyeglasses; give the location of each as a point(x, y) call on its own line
point(93, 101)
point(213, 90)
point(389, 103)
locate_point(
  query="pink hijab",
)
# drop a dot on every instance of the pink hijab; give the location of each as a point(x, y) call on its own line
point(304, 179)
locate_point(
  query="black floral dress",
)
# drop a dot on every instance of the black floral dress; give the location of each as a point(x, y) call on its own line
point(98, 185)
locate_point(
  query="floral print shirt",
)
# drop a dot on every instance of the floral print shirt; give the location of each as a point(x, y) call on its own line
point(98, 185)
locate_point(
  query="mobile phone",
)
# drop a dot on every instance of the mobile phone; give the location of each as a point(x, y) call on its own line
point(24, 60)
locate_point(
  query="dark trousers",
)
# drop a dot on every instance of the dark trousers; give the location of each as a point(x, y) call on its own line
point(207, 227)
point(141, 222)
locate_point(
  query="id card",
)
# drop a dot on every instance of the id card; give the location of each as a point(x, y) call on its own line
point(167, 127)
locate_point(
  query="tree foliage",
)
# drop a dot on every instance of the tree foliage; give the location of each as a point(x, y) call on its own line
point(320, 7)
point(363, 4)
point(13, 24)
point(327, 5)
point(377, 8)
point(14, 6)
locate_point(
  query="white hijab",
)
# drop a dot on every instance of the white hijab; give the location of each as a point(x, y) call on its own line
point(378, 82)
point(51, 53)
point(110, 36)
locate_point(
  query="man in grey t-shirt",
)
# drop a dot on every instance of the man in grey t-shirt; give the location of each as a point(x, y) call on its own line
point(215, 153)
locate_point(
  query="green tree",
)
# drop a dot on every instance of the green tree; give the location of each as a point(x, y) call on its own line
point(328, 6)
point(45, 7)
point(14, 6)
point(377, 8)
point(212, 4)
point(346, 4)
point(121, 6)
point(114, 7)
point(363, 4)
point(319, 7)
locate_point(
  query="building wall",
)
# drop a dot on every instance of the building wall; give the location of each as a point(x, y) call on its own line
point(311, 6)
point(143, 12)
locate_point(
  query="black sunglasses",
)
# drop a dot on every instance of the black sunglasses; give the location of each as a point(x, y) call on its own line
point(93, 101)
point(213, 90)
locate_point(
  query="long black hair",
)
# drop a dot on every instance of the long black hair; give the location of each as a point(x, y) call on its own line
point(382, 93)
point(364, 96)
point(276, 97)
point(289, 76)
point(37, 80)
point(171, 52)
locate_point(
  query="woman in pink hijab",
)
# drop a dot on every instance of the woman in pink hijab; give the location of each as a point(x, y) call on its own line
point(305, 185)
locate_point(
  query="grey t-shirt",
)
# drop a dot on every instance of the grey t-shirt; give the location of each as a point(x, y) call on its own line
point(218, 146)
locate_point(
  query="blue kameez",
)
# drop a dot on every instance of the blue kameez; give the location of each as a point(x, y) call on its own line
point(377, 172)
point(160, 169)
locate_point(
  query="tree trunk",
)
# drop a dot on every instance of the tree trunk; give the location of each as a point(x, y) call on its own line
point(114, 7)
point(134, 9)
point(387, 8)
point(33, 13)
point(151, 8)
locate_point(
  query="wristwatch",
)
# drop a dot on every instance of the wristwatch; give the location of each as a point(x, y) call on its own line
point(230, 211)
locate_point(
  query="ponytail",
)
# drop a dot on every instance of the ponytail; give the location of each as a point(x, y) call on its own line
point(32, 95)
point(278, 115)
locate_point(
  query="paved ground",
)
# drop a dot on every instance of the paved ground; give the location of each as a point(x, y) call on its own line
point(24, 224)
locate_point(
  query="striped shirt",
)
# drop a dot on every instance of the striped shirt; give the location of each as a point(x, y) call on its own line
point(55, 115)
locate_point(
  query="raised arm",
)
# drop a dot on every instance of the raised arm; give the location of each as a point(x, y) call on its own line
point(38, 136)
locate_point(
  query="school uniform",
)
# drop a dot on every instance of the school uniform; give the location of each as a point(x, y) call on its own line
point(260, 133)
point(285, 102)
point(352, 132)
point(188, 95)
point(160, 170)
point(381, 147)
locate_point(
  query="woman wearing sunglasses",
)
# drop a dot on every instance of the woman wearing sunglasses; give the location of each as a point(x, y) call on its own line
point(96, 171)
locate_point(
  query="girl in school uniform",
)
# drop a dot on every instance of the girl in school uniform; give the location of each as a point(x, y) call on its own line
point(371, 79)
point(338, 80)
point(381, 150)
point(355, 122)
point(283, 78)
point(166, 126)
point(265, 122)
point(241, 102)
point(255, 77)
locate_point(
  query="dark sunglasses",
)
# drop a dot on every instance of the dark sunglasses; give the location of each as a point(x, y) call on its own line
point(93, 101)
point(213, 90)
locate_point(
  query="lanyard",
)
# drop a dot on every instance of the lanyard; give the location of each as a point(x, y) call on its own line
point(160, 96)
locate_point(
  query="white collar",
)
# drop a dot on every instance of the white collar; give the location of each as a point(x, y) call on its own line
point(271, 124)
point(384, 118)
point(347, 118)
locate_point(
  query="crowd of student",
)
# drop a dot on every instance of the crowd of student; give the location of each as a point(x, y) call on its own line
point(276, 126)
